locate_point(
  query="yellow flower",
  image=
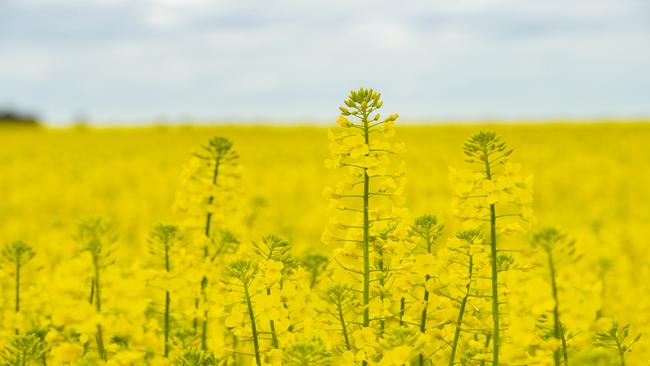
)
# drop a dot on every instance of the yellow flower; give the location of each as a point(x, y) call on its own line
point(343, 122)
point(67, 352)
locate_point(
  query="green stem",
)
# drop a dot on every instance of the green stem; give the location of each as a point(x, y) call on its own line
point(344, 328)
point(495, 271)
point(98, 308)
point(423, 318)
point(92, 291)
point(18, 284)
point(621, 352)
point(204, 323)
point(251, 315)
point(204, 280)
point(558, 332)
point(402, 307)
point(235, 342)
point(495, 289)
point(488, 337)
point(167, 304)
point(382, 322)
point(461, 314)
point(215, 175)
point(366, 232)
point(17, 300)
point(274, 336)
point(100, 343)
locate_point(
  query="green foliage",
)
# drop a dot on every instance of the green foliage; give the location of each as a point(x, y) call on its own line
point(23, 350)
point(311, 352)
point(361, 103)
point(273, 248)
point(243, 270)
point(427, 229)
point(345, 300)
point(225, 242)
point(470, 235)
point(219, 150)
point(316, 264)
point(17, 253)
point(163, 237)
point(617, 339)
point(557, 243)
point(95, 236)
point(481, 147)
point(194, 357)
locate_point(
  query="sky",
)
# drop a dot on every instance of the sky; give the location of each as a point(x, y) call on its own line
point(125, 61)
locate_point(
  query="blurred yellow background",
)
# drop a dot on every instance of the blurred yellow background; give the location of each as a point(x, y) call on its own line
point(591, 179)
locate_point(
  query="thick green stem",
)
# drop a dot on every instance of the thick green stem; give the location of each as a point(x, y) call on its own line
point(423, 318)
point(344, 328)
point(560, 354)
point(402, 308)
point(17, 300)
point(98, 307)
point(166, 320)
point(18, 284)
point(100, 343)
point(461, 314)
point(382, 321)
point(366, 231)
point(488, 337)
point(621, 352)
point(91, 297)
point(251, 314)
point(495, 270)
point(204, 329)
point(167, 303)
point(274, 336)
point(204, 280)
point(495, 287)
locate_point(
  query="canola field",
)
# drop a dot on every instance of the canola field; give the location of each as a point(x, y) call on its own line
point(376, 243)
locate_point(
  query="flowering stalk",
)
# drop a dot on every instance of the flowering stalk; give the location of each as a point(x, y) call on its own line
point(477, 194)
point(16, 255)
point(615, 339)
point(341, 296)
point(482, 147)
point(273, 256)
point(220, 150)
point(244, 271)
point(550, 240)
point(316, 264)
point(365, 156)
point(469, 237)
point(426, 231)
point(209, 181)
point(162, 240)
point(94, 235)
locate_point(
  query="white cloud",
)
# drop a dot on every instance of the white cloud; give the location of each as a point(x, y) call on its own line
point(125, 60)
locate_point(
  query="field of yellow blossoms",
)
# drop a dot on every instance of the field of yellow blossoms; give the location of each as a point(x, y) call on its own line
point(371, 242)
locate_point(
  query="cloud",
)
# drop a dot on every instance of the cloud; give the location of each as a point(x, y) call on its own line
point(125, 60)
